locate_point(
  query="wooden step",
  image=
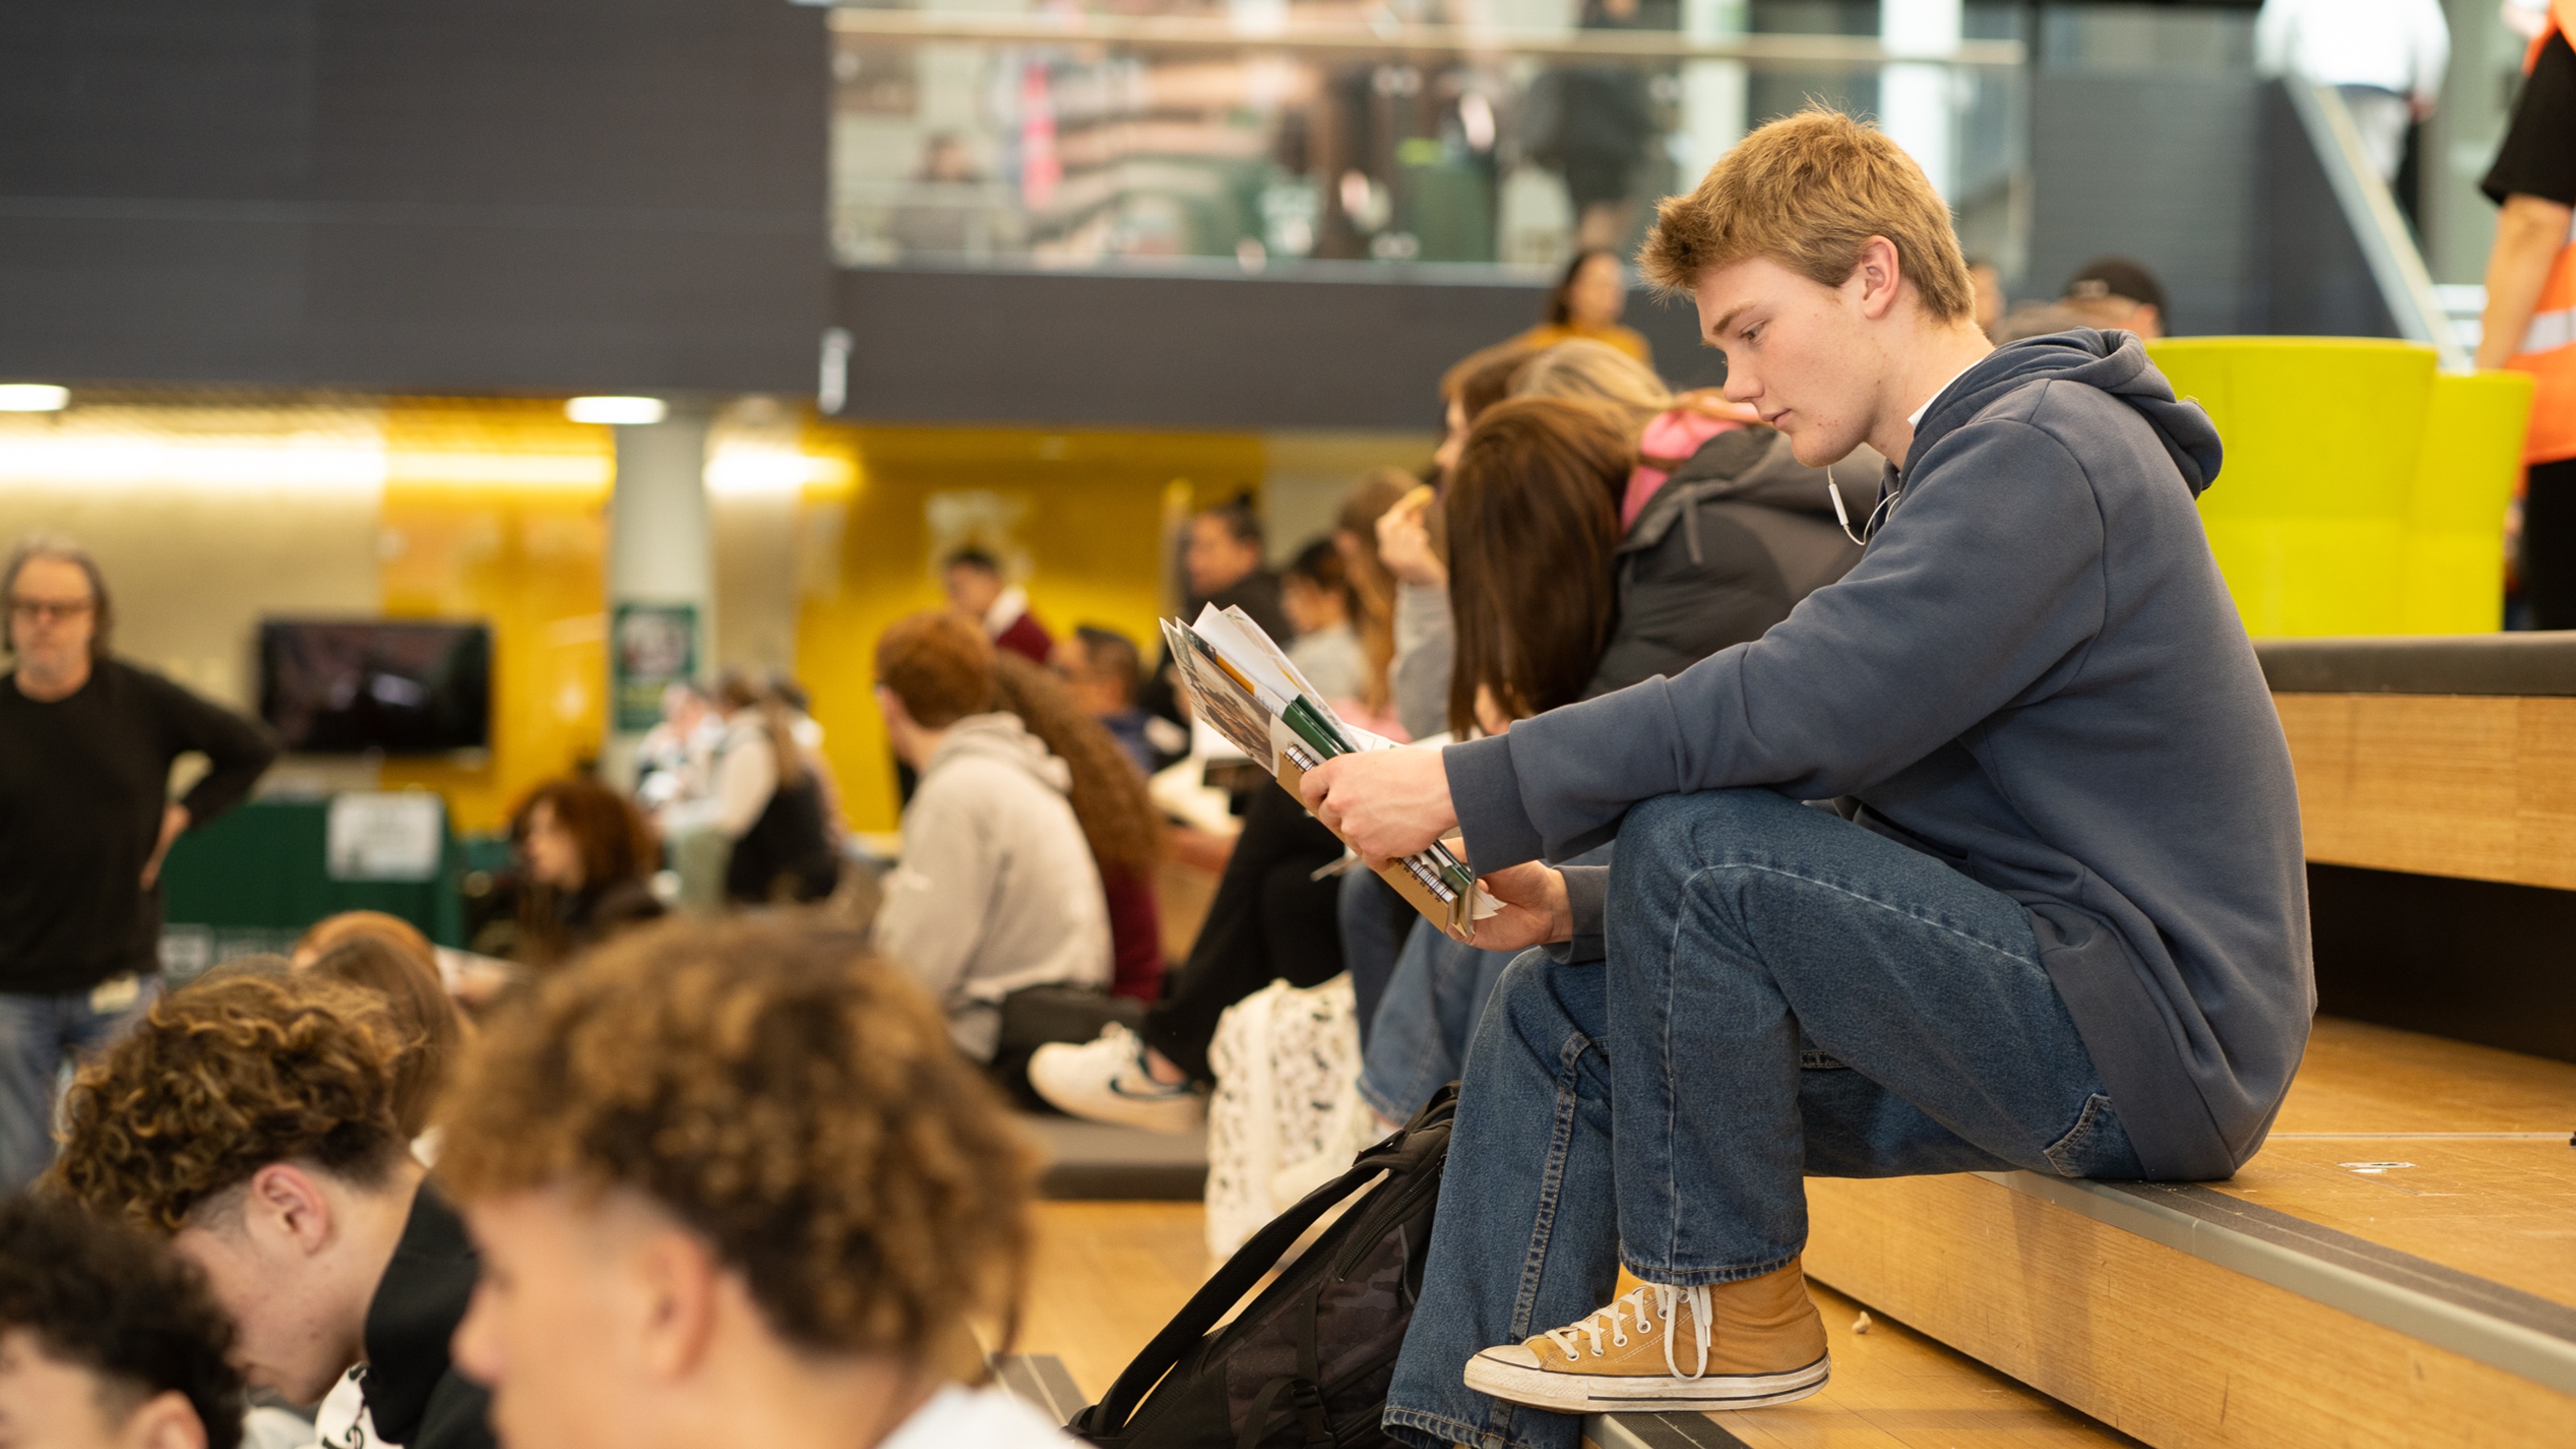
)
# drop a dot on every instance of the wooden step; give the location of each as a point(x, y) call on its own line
point(2398, 1266)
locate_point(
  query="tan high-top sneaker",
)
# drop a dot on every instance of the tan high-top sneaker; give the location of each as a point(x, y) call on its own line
point(1735, 1346)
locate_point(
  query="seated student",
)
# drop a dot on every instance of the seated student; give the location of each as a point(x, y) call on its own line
point(432, 1034)
point(2057, 921)
point(106, 1340)
point(587, 861)
point(470, 979)
point(1221, 564)
point(978, 592)
point(2118, 294)
point(1118, 820)
point(1586, 303)
point(734, 1187)
point(1408, 545)
point(342, 926)
point(1372, 596)
point(423, 1017)
point(1270, 920)
point(1315, 592)
point(1765, 538)
point(1104, 673)
point(997, 890)
point(1723, 530)
point(768, 801)
point(276, 1164)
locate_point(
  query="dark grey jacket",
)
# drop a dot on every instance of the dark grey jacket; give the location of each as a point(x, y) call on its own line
point(1737, 535)
point(2036, 675)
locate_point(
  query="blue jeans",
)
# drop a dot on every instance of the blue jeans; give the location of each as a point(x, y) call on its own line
point(1373, 920)
point(37, 1035)
point(1427, 1013)
point(1786, 993)
point(1425, 1020)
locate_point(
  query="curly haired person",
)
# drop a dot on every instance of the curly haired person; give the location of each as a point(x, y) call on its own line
point(252, 1118)
point(106, 1340)
point(733, 1185)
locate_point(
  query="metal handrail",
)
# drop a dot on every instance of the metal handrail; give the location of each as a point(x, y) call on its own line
point(2396, 264)
point(1175, 32)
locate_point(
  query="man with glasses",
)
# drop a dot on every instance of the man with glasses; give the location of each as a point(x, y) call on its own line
point(86, 746)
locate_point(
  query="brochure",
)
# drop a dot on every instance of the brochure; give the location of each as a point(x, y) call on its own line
point(1243, 685)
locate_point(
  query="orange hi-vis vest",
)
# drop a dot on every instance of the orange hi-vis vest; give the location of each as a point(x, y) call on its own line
point(2548, 349)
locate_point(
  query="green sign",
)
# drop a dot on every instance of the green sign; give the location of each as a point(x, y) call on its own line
point(650, 648)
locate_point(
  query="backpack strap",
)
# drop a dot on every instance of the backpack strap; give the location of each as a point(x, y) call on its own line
point(1218, 1295)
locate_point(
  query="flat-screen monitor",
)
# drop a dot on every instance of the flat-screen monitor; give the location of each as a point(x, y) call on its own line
point(397, 687)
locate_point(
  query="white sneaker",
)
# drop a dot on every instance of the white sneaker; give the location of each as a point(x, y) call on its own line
point(1105, 1080)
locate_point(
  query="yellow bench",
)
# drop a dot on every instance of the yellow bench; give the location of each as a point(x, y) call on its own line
point(2363, 491)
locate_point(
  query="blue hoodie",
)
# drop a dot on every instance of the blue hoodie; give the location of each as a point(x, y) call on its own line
point(2036, 675)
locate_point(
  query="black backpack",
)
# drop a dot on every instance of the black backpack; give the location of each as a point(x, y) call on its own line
point(1307, 1363)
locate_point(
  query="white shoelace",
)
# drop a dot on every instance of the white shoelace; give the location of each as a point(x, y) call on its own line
point(1634, 1302)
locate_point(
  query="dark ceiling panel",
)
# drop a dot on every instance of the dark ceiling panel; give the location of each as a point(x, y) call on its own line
point(1186, 352)
point(168, 98)
point(473, 195)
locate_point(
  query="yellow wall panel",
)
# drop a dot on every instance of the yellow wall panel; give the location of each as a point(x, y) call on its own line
point(496, 510)
point(1081, 512)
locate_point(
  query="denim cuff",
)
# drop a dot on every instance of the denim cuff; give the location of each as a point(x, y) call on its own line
point(1587, 899)
point(1434, 1431)
point(1485, 793)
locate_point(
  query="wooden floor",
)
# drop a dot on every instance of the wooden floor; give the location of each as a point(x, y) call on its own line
point(1108, 1276)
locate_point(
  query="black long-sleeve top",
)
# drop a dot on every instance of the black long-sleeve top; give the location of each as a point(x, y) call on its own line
point(83, 782)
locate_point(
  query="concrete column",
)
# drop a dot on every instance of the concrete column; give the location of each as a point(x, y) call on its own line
point(1918, 103)
point(1714, 96)
point(661, 561)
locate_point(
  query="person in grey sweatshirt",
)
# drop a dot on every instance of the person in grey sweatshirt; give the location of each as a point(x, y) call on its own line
point(2055, 918)
point(997, 889)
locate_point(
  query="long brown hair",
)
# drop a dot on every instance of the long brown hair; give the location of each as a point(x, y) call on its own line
point(1372, 587)
point(1109, 801)
point(1533, 523)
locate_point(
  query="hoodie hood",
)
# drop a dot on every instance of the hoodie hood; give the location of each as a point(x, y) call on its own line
point(1002, 738)
point(1750, 465)
point(2111, 362)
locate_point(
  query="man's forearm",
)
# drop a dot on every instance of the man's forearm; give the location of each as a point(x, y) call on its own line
point(2529, 234)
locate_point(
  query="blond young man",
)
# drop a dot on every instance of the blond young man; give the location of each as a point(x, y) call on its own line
point(2054, 920)
point(733, 1186)
point(250, 1118)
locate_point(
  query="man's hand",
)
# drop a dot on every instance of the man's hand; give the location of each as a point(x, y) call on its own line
point(1386, 804)
point(1534, 913)
point(1404, 541)
point(174, 819)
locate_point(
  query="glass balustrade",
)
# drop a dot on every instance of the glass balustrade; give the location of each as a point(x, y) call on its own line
point(1278, 135)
